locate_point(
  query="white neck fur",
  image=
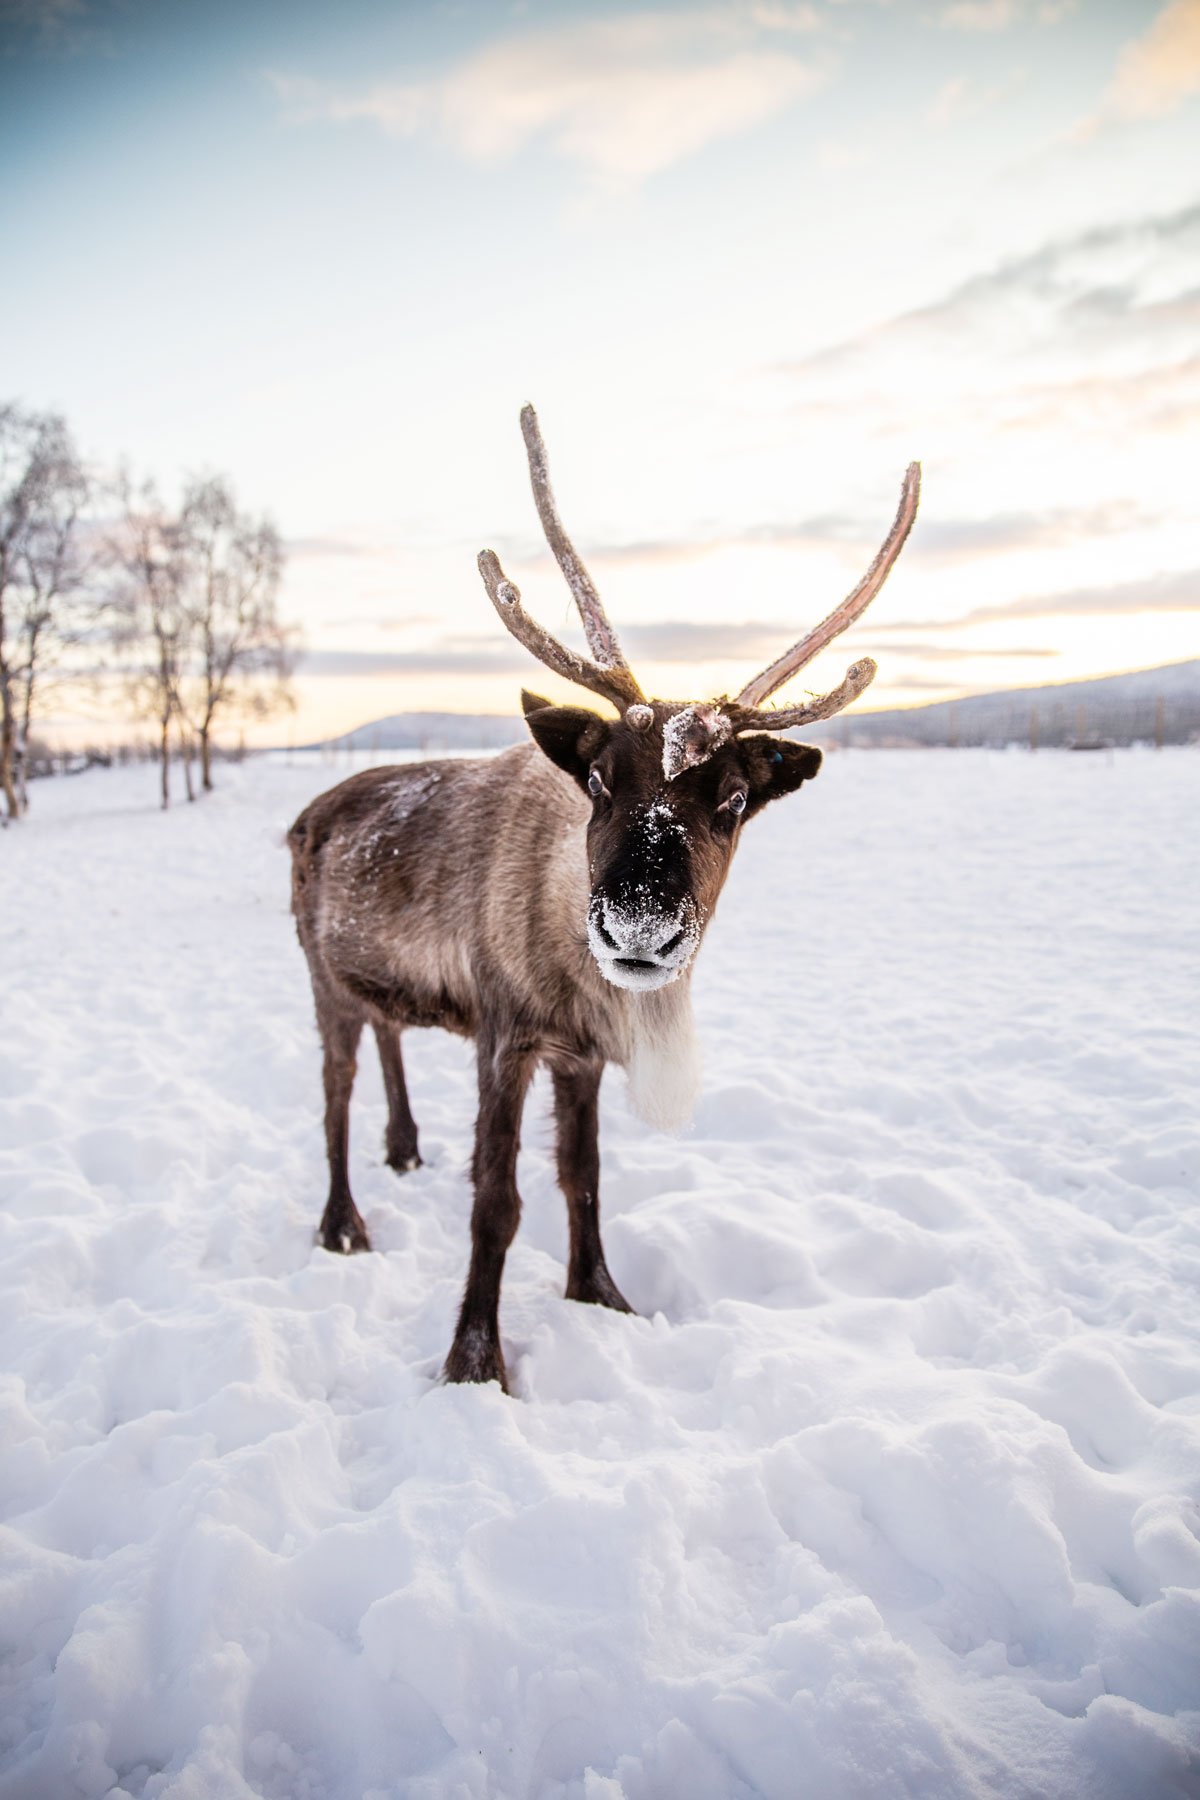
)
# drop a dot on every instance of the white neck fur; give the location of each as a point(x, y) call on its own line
point(662, 1060)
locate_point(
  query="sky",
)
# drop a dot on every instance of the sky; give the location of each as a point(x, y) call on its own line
point(747, 259)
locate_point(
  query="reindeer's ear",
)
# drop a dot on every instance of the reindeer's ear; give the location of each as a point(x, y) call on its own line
point(531, 702)
point(776, 766)
point(570, 736)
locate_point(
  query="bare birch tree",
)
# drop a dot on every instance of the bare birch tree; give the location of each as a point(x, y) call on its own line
point(154, 626)
point(242, 654)
point(46, 560)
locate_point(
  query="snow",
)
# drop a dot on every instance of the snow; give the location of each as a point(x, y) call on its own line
point(691, 735)
point(890, 1491)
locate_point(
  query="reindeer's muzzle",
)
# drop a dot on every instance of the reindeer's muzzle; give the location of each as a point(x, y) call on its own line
point(641, 946)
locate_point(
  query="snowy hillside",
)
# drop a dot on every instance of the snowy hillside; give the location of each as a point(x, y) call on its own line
point(891, 1491)
point(435, 731)
point(1144, 705)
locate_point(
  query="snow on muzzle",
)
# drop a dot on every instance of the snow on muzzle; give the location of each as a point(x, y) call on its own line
point(643, 945)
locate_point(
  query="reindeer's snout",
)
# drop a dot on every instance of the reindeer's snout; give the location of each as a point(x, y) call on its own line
point(642, 946)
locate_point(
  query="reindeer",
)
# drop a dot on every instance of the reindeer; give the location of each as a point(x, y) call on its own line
point(547, 902)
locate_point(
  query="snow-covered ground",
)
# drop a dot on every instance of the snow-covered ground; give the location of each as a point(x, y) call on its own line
point(890, 1491)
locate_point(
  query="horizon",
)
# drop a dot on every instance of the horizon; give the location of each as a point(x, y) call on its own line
point(269, 739)
point(858, 710)
point(747, 260)
point(826, 726)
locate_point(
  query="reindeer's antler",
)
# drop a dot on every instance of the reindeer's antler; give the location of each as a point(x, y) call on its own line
point(610, 674)
point(695, 728)
point(858, 678)
point(746, 711)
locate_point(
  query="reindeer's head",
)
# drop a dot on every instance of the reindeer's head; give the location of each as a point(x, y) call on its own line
point(659, 846)
point(671, 782)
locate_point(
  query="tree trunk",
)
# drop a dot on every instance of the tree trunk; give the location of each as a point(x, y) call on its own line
point(21, 751)
point(164, 752)
point(185, 750)
point(20, 760)
point(7, 746)
point(205, 759)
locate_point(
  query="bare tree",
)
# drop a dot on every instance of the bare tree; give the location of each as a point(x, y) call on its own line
point(242, 655)
point(154, 626)
point(46, 560)
point(60, 567)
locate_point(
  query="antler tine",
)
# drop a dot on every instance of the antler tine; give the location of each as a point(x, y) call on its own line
point(859, 676)
point(616, 684)
point(855, 603)
point(602, 639)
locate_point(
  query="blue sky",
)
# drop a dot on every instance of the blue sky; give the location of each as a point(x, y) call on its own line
point(747, 259)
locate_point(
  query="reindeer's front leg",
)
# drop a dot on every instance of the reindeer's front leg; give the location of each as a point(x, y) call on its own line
point(576, 1093)
point(505, 1066)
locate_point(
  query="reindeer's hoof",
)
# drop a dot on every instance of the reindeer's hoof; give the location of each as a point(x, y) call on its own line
point(404, 1164)
point(599, 1289)
point(475, 1357)
point(344, 1236)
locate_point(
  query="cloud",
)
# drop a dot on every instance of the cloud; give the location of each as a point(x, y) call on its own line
point(945, 540)
point(944, 652)
point(449, 659)
point(998, 15)
point(964, 540)
point(940, 540)
point(981, 15)
point(324, 546)
point(963, 98)
point(401, 622)
point(1156, 73)
point(670, 641)
point(677, 641)
point(47, 25)
point(454, 656)
point(1071, 371)
point(624, 97)
point(1166, 399)
point(1178, 591)
point(1095, 291)
point(920, 684)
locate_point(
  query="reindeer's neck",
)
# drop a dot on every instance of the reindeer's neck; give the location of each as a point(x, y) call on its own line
point(663, 1058)
point(653, 1037)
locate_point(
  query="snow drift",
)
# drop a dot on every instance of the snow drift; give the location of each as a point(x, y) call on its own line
point(890, 1491)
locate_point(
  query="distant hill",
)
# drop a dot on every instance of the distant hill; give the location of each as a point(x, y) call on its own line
point(1150, 705)
point(432, 731)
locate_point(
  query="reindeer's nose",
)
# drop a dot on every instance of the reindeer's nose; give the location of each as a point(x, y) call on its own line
point(638, 937)
point(639, 945)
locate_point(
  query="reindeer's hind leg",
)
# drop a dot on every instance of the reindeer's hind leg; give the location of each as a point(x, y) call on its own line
point(341, 1225)
point(401, 1142)
point(576, 1095)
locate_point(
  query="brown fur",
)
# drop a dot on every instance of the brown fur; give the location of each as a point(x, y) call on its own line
point(461, 894)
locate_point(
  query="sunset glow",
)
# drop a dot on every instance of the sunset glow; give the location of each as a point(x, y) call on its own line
point(747, 259)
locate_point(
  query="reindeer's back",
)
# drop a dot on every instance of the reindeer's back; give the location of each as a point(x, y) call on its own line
point(417, 886)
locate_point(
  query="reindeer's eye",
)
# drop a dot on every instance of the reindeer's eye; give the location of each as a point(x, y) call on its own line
point(595, 785)
point(736, 804)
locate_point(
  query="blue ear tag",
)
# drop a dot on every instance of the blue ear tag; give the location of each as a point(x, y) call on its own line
point(778, 756)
